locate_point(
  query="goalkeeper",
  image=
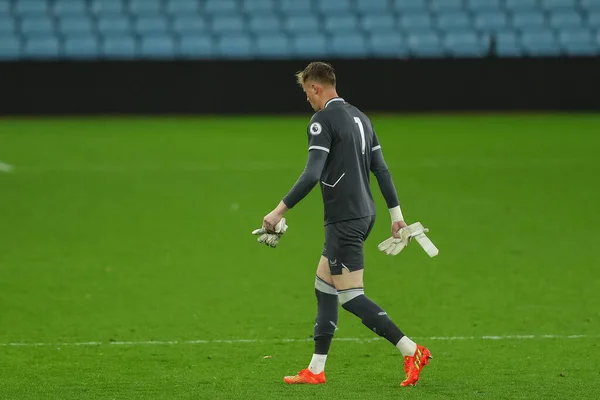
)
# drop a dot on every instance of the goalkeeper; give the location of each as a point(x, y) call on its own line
point(343, 150)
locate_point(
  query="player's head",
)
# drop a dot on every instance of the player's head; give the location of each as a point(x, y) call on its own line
point(318, 82)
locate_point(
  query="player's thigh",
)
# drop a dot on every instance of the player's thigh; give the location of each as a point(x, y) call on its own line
point(348, 280)
point(323, 270)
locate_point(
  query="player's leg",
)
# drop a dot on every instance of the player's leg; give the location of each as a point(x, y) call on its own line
point(324, 329)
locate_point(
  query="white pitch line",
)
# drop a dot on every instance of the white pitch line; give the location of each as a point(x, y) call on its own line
point(240, 341)
point(4, 167)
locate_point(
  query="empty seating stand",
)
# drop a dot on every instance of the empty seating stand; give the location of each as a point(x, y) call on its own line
point(280, 29)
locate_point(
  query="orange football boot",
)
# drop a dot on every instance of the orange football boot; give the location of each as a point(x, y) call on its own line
point(305, 376)
point(413, 365)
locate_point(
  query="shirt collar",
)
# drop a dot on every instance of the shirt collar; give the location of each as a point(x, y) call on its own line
point(332, 100)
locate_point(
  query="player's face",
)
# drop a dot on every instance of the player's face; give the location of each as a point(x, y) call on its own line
point(312, 95)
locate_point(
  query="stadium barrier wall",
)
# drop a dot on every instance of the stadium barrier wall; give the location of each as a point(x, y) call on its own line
point(267, 87)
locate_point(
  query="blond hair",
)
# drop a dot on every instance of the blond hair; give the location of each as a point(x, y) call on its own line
point(318, 72)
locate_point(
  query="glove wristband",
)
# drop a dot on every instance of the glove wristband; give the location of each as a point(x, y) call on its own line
point(396, 214)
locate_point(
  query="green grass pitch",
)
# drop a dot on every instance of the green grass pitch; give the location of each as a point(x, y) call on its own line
point(138, 230)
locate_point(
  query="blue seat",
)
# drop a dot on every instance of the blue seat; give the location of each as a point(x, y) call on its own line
point(453, 21)
point(302, 24)
point(5, 8)
point(258, 6)
point(590, 5)
point(491, 21)
point(440, 6)
point(540, 43)
point(7, 26)
point(30, 7)
point(403, 6)
point(310, 45)
point(528, 20)
point(101, 7)
point(566, 19)
point(42, 48)
point(484, 5)
point(292, 7)
point(388, 45)
point(372, 6)
point(69, 7)
point(75, 25)
point(329, 7)
point(229, 24)
point(82, 47)
point(464, 44)
point(37, 26)
point(341, 23)
point(182, 7)
point(141, 7)
point(378, 23)
point(188, 24)
point(558, 4)
point(148, 25)
point(273, 46)
point(351, 45)
point(114, 25)
point(593, 19)
point(197, 47)
point(520, 5)
point(265, 23)
point(508, 44)
point(158, 47)
point(425, 44)
point(220, 6)
point(416, 22)
point(578, 42)
point(120, 47)
point(235, 47)
point(10, 48)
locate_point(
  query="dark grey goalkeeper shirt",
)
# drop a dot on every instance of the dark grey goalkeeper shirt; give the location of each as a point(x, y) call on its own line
point(343, 148)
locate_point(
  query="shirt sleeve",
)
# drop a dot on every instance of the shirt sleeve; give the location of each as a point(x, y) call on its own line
point(319, 135)
point(309, 178)
point(382, 173)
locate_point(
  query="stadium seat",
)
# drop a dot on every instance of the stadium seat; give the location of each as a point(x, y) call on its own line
point(197, 47)
point(341, 23)
point(540, 43)
point(82, 47)
point(189, 25)
point(528, 20)
point(302, 24)
point(120, 47)
point(273, 46)
point(10, 48)
point(483, 5)
point(410, 6)
point(441, 6)
point(593, 19)
point(309, 45)
point(416, 22)
point(220, 6)
point(265, 23)
point(141, 7)
point(7, 26)
point(69, 7)
point(5, 8)
point(464, 44)
point(372, 6)
point(110, 7)
point(378, 23)
point(453, 21)
point(157, 47)
point(30, 7)
point(566, 19)
point(295, 7)
point(37, 26)
point(388, 45)
point(235, 47)
point(330, 7)
point(578, 42)
point(351, 45)
point(491, 21)
point(507, 44)
point(590, 5)
point(520, 5)
point(258, 7)
point(425, 44)
point(230, 24)
point(75, 26)
point(42, 48)
point(150, 25)
point(553, 5)
point(182, 7)
point(114, 25)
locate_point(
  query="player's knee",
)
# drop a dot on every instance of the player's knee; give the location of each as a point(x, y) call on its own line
point(370, 314)
point(345, 296)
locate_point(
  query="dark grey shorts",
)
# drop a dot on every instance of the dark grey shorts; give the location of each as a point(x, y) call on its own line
point(344, 243)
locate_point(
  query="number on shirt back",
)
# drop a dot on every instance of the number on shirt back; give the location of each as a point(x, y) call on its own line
point(362, 132)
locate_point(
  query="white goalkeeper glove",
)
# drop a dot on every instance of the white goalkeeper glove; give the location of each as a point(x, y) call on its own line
point(393, 246)
point(268, 238)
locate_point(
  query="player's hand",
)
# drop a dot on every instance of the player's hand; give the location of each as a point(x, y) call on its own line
point(396, 226)
point(271, 220)
point(401, 235)
point(271, 239)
